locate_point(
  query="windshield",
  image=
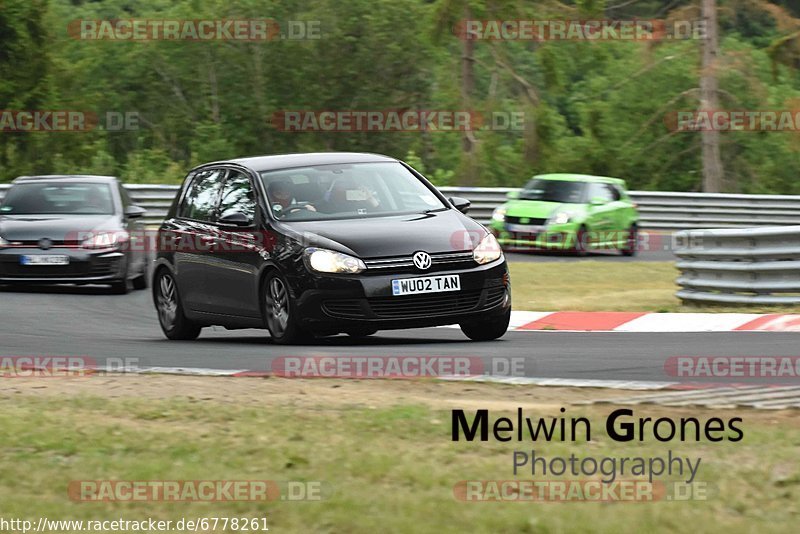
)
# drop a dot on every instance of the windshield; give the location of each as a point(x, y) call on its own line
point(554, 191)
point(350, 191)
point(58, 199)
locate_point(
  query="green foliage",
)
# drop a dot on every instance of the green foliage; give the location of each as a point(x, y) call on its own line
point(593, 107)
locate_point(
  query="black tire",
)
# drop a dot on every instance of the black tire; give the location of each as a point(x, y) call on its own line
point(630, 246)
point(120, 287)
point(365, 332)
point(173, 322)
point(278, 311)
point(487, 330)
point(581, 247)
point(141, 281)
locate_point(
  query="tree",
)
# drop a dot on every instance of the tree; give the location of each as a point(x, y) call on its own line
point(709, 99)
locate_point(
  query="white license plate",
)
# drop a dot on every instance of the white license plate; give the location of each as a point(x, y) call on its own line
point(44, 259)
point(427, 284)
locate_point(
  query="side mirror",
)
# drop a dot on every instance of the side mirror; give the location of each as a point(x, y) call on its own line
point(236, 218)
point(461, 204)
point(134, 212)
point(512, 195)
point(598, 201)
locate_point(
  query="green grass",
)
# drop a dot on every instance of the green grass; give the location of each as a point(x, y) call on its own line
point(385, 468)
point(608, 286)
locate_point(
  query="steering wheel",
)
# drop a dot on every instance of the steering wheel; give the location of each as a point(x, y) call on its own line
point(298, 208)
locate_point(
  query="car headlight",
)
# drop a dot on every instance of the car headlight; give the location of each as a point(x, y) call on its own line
point(329, 261)
point(105, 240)
point(560, 217)
point(488, 250)
point(499, 214)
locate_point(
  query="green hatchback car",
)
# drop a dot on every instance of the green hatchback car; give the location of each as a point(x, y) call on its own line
point(572, 212)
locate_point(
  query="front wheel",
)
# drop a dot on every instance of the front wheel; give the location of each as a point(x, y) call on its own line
point(487, 330)
point(581, 247)
point(278, 310)
point(173, 322)
point(630, 244)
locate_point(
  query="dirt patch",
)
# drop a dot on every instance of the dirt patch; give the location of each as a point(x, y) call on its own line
point(342, 394)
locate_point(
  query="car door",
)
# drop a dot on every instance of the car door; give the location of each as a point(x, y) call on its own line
point(601, 213)
point(233, 267)
point(620, 208)
point(194, 237)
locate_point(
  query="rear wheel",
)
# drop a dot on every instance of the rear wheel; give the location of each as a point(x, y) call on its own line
point(487, 330)
point(278, 310)
point(170, 310)
point(630, 245)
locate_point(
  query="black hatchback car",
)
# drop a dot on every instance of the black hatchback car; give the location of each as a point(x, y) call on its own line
point(320, 244)
point(71, 229)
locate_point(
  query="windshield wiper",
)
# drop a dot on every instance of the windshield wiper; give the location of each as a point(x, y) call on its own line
point(434, 210)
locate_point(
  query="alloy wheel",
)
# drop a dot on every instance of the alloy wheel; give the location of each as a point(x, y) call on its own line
point(277, 307)
point(167, 301)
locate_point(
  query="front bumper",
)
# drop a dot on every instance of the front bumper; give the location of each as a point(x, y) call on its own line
point(550, 237)
point(85, 266)
point(365, 301)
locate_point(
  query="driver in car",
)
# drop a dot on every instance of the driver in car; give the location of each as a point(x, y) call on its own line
point(282, 200)
point(345, 195)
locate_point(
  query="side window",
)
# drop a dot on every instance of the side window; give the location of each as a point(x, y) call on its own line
point(237, 195)
point(601, 191)
point(201, 197)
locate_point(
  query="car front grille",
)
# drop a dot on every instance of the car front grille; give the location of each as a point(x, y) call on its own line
point(404, 264)
point(526, 220)
point(415, 306)
point(10, 269)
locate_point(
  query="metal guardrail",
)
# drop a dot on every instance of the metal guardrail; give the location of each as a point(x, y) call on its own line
point(739, 266)
point(657, 210)
point(671, 211)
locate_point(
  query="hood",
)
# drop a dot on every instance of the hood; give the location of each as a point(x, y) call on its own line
point(537, 209)
point(445, 231)
point(53, 227)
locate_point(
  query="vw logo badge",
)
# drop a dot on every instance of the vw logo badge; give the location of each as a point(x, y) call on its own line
point(45, 244)
point(422, 260)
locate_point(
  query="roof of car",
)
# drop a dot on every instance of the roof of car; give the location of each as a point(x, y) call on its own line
point(66, 178)
point(580, 178)
point(288, 161)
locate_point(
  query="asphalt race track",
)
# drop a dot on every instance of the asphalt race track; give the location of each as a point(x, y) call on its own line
point(85, 321)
